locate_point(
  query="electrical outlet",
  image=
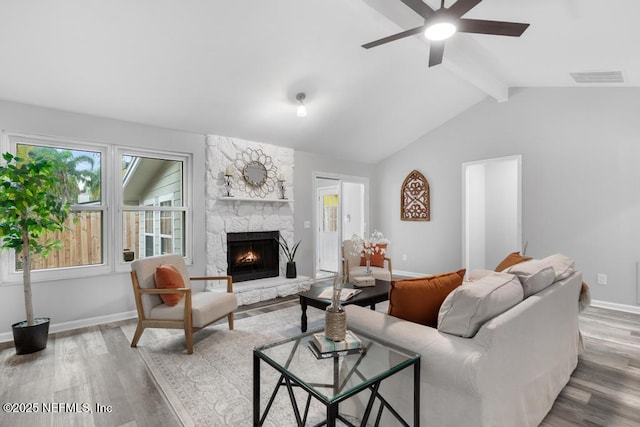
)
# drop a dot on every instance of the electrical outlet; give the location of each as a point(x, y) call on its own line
point(404, 257)
point(602, 279)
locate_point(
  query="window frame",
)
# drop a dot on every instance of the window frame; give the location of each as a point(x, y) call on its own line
point(186, 208)
point(111, 205)
point(10, 142)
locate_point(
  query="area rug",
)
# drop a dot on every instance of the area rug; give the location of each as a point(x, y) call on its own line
point(213, 386)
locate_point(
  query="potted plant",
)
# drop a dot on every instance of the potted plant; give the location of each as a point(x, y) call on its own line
point(31, 207)
point(290, 253)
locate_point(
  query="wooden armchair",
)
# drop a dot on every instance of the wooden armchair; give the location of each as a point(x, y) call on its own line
point(351, 264)
point(193, 312)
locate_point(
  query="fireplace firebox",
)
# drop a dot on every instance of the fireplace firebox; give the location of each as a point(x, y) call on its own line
point(253, 255)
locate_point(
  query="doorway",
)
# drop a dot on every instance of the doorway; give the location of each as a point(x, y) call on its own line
point(491, 211)
point(340, 211)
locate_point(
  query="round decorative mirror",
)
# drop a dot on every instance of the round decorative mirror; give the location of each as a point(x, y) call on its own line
point(255, 173)
point(258, 173)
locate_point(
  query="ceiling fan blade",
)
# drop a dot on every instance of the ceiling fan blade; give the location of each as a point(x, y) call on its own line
point(436, 52)
point(461, 7)
point(499, 28)
point(388, 39)
point(420, 8)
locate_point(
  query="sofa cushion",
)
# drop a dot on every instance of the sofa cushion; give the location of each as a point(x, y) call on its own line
point(534, 275)
point(377, 256)
point(478, 274)
point(563, 266)
point(468, 307)
point(512, 259)
point(418, 299)
point(168, 277)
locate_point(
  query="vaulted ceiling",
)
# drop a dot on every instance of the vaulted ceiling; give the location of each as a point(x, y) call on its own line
point(234, 68)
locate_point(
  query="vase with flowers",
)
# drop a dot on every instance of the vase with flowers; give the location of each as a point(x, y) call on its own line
point(366, 247)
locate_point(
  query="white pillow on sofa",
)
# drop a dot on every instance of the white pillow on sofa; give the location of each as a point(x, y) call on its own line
point(470, 305)
point(534, 275)
point(563, 266)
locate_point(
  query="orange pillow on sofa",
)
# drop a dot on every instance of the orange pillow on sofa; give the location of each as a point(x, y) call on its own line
point(418, 300)
point(377, 257)
point(169, 277)
point(512, 259)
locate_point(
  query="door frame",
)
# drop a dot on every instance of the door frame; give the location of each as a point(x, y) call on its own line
point(465, 166)
point(341, 178)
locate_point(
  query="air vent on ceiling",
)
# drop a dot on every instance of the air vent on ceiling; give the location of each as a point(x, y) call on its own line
point(598, 77)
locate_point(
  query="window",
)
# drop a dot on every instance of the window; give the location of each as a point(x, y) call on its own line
point(153, 206)
point(80, 174)
point(150, 193)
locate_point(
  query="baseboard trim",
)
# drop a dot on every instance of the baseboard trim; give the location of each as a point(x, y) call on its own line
point(615, 306)
point(77, 324)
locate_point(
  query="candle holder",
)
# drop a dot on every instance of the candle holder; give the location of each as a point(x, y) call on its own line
point(282, 189)
point(228, 185)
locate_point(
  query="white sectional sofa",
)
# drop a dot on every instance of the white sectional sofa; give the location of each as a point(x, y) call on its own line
point(508, 374)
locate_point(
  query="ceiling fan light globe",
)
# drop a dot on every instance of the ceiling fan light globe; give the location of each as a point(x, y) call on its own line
point(440, 31)
point(302, 111)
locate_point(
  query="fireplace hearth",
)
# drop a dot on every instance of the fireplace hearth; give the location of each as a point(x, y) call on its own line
point(253, 255)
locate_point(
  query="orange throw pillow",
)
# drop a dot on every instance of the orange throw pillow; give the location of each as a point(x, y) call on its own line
point(377, 257)
point(418, 300)
point(512, 259)
point(169, 277)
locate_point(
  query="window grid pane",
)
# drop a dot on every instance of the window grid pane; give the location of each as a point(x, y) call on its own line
point(141, 244)
point(81, 243)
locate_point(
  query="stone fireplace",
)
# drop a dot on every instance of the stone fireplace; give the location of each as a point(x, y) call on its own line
point(244, 213)
point(253, 255)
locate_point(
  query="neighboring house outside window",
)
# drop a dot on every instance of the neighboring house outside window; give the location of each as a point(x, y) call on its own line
point(149, 196)
point(153, 199)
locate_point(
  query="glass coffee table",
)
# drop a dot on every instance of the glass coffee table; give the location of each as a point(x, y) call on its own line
point(332, 380)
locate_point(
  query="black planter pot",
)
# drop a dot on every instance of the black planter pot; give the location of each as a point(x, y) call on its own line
point(291, 270)
point(29, 339)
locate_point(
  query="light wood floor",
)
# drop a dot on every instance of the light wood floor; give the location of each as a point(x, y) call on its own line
point(96, 365)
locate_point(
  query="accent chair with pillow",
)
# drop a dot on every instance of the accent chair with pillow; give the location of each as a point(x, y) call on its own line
point(164, 298)
point(354, 265)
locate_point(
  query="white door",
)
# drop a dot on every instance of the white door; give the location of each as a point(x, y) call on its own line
point(328, 228)
point(341, 206)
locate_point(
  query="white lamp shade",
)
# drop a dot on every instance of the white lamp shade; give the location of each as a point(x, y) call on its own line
point(302, 111)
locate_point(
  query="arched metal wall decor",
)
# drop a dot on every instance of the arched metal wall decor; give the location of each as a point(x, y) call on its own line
point(415, 198)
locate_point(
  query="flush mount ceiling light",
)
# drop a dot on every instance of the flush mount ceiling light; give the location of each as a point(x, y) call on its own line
point(302, 110)
point(440, 30)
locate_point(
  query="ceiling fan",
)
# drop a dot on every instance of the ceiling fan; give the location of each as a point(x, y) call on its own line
point(443, 23)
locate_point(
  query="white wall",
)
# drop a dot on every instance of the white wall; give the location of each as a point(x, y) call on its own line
point(581, 182)
point(502, 211)
point(353, 199)
point(306, 164)
point(72, 301)
point(475, 217)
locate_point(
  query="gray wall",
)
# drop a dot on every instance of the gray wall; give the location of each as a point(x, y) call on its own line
point(305, 165)
point(581, 182)
point(73, 300)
